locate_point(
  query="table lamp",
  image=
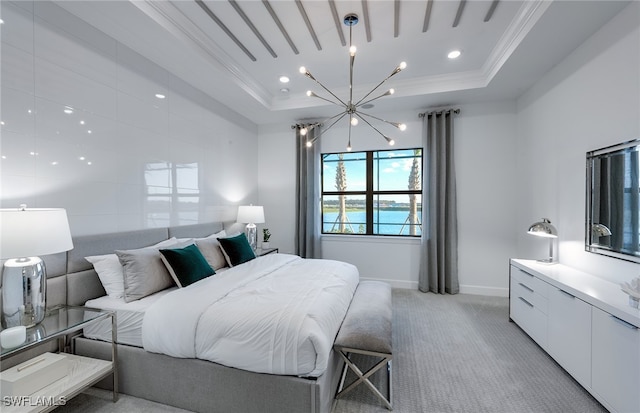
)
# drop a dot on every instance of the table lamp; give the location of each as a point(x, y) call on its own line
point(24, 235)
point(545, 229)
point(251, 215)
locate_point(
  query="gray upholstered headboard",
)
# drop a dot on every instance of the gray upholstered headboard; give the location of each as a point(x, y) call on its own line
point(72, 280)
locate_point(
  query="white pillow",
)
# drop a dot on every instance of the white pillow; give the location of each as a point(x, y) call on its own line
point(110, 270)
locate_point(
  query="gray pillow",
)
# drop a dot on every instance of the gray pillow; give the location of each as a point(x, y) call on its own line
point(210, 249)
point(144, 272)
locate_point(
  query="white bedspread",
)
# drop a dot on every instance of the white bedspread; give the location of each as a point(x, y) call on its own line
point(277, 314)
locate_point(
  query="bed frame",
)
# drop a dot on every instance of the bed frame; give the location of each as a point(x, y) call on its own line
point(190, 384)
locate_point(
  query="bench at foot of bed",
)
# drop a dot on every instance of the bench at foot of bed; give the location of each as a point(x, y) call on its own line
point(367, 330)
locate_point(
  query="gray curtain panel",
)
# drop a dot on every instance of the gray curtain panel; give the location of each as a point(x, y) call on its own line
point(439, 248)
point(307, 196)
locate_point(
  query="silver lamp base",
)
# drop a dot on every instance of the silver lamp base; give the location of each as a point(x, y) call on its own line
point(251, 233)
point(24, 292)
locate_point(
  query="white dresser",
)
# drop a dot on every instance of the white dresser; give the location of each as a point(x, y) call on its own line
point(585, 323)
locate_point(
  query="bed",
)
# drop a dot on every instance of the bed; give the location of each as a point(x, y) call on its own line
point(168, 373)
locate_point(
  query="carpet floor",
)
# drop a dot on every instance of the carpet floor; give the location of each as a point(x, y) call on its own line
point(452, 353)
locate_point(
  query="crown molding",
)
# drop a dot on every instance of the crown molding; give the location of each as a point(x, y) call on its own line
point(175, 22)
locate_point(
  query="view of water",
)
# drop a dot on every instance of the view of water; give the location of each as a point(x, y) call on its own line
point(386, 222)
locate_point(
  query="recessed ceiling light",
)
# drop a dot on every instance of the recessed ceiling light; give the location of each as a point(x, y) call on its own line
point(82, 122)
point(284, 79)
point(160, 96)
point(454, 54)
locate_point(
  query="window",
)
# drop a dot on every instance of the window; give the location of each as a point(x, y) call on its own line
point(372, 193)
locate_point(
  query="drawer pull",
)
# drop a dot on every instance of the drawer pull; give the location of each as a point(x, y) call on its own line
point(526, 287)
point(526, 302)
point(566, 293)
point(624, 323)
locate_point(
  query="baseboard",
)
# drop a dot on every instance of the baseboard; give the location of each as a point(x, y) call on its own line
point(408, 285)
point(464, 289)
point(481, 290)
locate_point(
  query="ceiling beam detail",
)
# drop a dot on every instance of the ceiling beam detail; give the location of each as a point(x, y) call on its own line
point(459, 13)
point(492, 8)
point(253, 28)
point(305, 17)
point(225, 29)
point(336, 21)
point(396, 18)
point(278, 23)
point(367, 20)
point(427, 16)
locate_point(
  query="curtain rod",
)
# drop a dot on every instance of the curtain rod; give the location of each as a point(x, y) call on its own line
point(439, 112)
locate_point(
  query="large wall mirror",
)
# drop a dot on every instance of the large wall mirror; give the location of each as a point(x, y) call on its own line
point(613, 201)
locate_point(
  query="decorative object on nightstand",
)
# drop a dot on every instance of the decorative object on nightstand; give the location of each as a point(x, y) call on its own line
point(266, 235)
point(26, 234)
point(545, 229)
point(633, 290)
point(251, 215)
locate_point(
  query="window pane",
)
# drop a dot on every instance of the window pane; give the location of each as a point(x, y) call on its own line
point(344, 172)
point(397, 215)
point(344, 214)
point(397, 170)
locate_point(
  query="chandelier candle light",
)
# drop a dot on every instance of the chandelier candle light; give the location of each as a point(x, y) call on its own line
point(350, 108)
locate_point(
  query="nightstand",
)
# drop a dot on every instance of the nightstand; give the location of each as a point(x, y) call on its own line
point(265, 251)
point(83, 372)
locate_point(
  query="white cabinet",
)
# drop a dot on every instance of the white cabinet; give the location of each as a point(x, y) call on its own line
point(585, 323)
point(616, 362)
point(528, 304)
point(569, 334)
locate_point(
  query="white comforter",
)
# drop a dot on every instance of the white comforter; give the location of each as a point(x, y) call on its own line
point(277, 314)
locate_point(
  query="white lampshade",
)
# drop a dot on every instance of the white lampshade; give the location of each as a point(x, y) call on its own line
point(250, 214)
point(30, 232)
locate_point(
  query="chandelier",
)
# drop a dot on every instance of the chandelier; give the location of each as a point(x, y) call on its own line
point(350, 108)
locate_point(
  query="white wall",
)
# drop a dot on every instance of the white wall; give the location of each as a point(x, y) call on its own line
point(589, 101)
point(485, 164)
point(56, 60)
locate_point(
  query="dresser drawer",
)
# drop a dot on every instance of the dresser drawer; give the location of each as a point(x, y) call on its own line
point(530, 319)
point(531, 289)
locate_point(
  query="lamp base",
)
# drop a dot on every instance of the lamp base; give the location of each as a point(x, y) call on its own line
point(251, 233)
point(24, 292)
point(548, 261)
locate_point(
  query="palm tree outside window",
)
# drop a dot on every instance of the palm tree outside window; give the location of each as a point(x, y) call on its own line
point(372, 193)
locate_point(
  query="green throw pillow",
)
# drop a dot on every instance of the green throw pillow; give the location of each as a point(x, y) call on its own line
point(236, 249)
point(186, 265)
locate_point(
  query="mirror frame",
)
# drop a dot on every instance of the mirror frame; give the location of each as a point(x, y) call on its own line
point(589, 245)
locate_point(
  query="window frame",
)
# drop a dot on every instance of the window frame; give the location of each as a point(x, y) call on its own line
point(369, 193)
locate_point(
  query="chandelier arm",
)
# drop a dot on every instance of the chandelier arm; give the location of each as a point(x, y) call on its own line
point(325, 99)
point(380, 119)
point(328, 91)
point(397, 69)
point(387, 93)
point(372, 127)
point(342, 115)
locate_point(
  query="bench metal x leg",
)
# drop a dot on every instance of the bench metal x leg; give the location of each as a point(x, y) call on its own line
point(364, 377)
